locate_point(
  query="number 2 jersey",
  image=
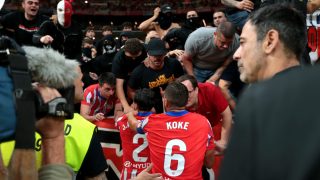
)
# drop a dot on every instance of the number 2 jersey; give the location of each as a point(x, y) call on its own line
point(178, 142)
point(135, 148)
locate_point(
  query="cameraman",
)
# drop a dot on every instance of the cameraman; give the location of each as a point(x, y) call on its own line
point(50, 127)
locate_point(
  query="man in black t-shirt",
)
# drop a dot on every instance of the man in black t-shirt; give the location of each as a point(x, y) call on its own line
point(128, 58)
point(160, 72)
point(22, 25)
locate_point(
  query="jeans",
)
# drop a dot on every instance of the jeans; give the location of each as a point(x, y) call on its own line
point(202, 74)
point(238, 18)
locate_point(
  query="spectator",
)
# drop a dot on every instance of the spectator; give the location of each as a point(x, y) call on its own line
point(107, 43)
point(62, 34)
point(208, 51)
point(238, 10)
point(180, 142)
point(90, 33)
point(135, 146)
point(274, 120)
point(22, 25)
point(103, 63)
point(89, 52)
point(124, 62)
point(176, 37)
point(160, 72)
point(218, 17)
point(127, 26)
point(99, 99)
point(161, 21)
point(106, 30)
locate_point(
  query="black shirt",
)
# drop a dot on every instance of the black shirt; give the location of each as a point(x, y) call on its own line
point(276, 132)
point(122, 65)
point(23, 28)
point(66, 40)
point(143, 77)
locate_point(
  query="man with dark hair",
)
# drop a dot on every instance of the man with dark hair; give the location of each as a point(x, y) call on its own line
point(160, 72)
point(135, 146)
point(90, 33)
point(99, 99)
point(127, 26)
point(22, 25)
point(209, 50)
point(123, 64)
point(271, 138)
point(218, 17)
point(180, 142)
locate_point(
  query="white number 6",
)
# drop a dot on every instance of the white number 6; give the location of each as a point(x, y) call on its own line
point(178, 157)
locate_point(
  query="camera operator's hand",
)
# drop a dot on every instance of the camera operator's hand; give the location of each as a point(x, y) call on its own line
point(49, 127)
point(51, 130)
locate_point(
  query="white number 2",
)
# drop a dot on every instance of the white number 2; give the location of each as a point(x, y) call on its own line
point(178, 157)
point(140, 148)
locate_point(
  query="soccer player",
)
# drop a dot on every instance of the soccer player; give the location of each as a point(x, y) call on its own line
point(135, 146)
point(180, 142)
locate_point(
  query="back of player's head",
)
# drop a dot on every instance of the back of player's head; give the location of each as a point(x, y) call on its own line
point(176, 94)
point(107, 78)
point(133, 46)
point(187, 77)
point(144, 98)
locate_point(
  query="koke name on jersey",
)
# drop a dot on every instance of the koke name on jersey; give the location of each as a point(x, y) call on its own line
point(177, 125)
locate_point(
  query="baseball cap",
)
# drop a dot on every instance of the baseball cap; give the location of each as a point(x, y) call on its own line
point(156, 47)
point(166, 8)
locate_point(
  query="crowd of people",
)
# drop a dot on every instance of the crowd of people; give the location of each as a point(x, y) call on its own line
point(191, 101)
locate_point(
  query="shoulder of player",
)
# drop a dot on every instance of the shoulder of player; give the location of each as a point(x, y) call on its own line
point(121, 119)
point(198, 117)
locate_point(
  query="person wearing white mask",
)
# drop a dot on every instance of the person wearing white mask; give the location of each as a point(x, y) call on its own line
point(62, 33)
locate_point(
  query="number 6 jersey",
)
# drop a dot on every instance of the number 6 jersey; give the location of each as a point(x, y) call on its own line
point(178, 142)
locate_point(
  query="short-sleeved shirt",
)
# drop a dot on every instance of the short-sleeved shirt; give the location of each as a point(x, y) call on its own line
point(178, 142)
point(23, 28)
point(122, 66)
point(205, 55)
point(97, 103)
point(135, 148)
point(211, 103)
point(144, 77)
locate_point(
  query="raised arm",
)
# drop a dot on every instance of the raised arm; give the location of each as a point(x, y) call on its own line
point(147, 24)
point(187, 63)
point(243, 5)
point(121, 95)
